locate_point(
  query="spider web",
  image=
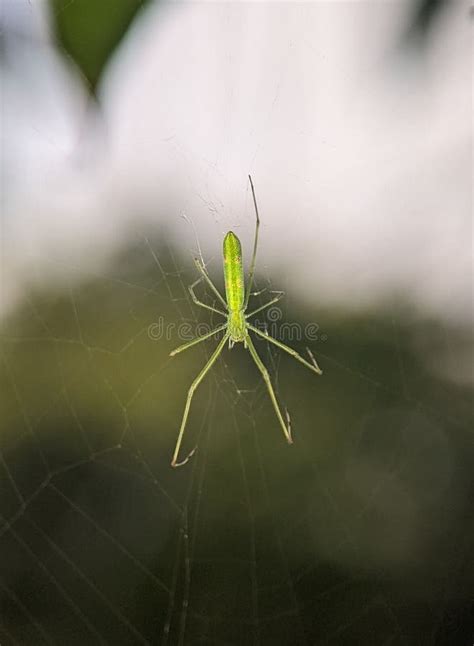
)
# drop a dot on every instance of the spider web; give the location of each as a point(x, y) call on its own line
point(361, 532)
point(252, 541)
point(54, 472)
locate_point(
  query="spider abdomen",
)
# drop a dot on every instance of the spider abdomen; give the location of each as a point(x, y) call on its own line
point(233, 273)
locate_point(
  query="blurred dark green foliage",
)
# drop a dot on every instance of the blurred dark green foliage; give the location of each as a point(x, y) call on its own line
point(89, 30)
point(425, 13)
point(359, 533)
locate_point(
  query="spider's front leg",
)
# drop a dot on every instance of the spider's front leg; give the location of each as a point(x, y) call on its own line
point(200, 303)
point(205, 276)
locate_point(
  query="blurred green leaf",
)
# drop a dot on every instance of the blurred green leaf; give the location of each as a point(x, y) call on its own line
point(88, 31)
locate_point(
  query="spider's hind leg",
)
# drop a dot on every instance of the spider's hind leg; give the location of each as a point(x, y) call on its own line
point(175, 462)
point(312, 366)
point(266, 377)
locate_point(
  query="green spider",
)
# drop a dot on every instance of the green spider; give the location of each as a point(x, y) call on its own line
point(236, 326)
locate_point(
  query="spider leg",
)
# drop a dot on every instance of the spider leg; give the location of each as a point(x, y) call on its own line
point(192, 388)
point(206, 277)
point(189, 344)
point(286, 429)
point(312, 366)
point(255, 245)
point(200, 303)
point(263, 307)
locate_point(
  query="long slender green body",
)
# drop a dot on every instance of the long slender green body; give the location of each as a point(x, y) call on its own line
point(237, 326)
point(234, 286)
point(233, 272)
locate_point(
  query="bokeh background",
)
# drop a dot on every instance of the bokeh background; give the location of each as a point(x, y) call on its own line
point(128, 131)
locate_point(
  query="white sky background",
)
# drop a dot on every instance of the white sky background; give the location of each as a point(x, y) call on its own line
point(360, 153)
